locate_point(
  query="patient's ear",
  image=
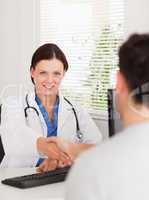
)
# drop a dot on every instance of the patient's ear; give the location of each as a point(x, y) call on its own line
point(121, 84)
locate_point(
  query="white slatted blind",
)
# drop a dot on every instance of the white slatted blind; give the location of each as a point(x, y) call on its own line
point(89, 32)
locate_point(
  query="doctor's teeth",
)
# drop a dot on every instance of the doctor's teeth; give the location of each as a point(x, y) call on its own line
point(49, 86)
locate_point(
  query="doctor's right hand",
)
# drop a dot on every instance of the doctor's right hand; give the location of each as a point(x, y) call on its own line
point(47, 165)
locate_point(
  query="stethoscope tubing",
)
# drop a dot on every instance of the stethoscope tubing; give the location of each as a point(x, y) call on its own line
point(78, 132)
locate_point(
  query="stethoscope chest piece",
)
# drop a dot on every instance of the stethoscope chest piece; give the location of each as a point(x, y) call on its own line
point(79, 137)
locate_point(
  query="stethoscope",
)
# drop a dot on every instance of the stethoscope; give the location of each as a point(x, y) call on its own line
point(79, 134)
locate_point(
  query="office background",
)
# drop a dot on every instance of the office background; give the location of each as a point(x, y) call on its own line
point(18, 39)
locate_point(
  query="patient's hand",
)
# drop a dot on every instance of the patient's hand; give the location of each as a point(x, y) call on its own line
point(64, 145)
point(51, 149)
point(71, 149)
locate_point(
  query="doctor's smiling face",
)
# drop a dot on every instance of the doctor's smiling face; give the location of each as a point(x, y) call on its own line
point(47, 76)
point(48, 67)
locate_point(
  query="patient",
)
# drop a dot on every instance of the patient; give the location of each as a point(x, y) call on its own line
point(119, 168)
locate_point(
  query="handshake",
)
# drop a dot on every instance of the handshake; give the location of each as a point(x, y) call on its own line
point(59, 152)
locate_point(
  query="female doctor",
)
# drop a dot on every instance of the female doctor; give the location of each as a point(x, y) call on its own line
point(27, 120)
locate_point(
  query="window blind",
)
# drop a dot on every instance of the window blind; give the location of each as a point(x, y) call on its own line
point(89, 32)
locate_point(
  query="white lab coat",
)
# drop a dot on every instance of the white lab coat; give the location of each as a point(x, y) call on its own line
point(19, 134)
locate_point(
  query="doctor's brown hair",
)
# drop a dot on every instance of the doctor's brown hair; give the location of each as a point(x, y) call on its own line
point(47, 52)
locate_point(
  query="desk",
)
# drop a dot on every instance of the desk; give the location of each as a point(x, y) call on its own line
point(45, 192)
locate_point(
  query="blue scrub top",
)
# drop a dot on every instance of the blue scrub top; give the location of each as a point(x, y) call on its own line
point(51, 125)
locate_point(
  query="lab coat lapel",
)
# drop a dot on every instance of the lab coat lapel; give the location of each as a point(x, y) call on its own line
point(37, 122)
point(63, 114)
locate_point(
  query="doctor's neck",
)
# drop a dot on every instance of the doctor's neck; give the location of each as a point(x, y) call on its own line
point(48, 101)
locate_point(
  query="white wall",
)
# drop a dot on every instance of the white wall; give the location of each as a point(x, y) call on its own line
point(18, 38)
point(137, 15)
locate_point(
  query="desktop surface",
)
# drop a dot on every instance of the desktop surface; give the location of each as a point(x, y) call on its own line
point(52, 192)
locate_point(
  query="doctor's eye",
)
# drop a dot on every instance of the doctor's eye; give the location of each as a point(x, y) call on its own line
point(57, 73)
point(43, 73)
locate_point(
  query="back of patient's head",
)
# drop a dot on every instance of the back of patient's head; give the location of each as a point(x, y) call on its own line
point(134, 62)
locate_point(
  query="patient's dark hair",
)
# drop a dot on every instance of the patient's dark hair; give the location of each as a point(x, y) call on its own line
point(134, 62)
point(47, 52)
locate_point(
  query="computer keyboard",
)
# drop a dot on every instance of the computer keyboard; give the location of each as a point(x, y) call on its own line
point(38, 179)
